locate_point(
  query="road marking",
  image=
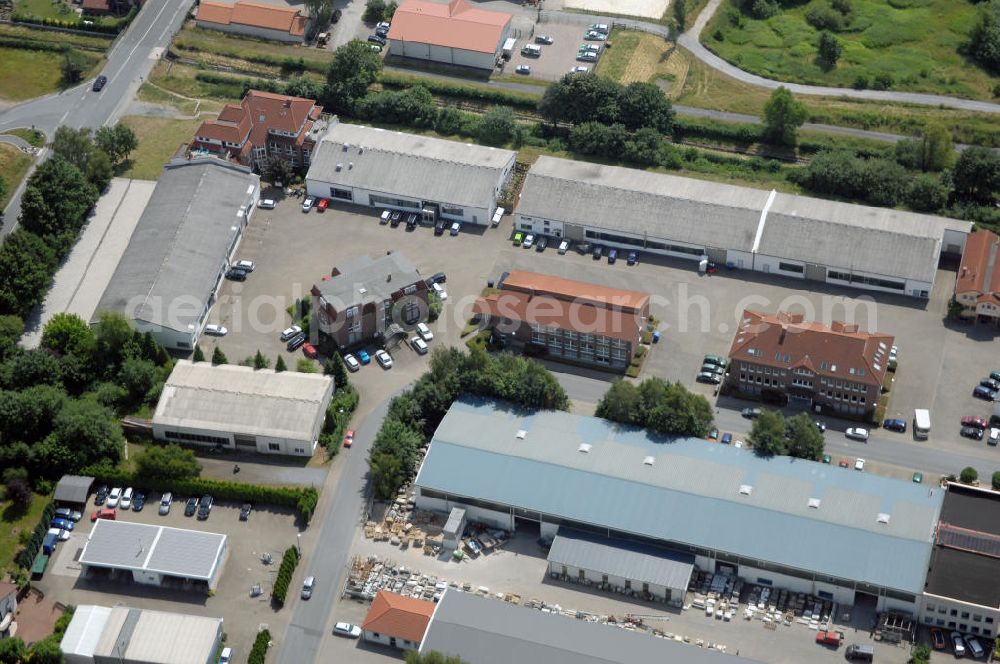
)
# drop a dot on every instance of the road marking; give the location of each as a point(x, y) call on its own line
point(171, 22)
point(63, 118)
point(139, 42)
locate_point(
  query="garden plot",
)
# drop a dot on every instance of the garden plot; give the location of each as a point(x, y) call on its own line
point(646, 8)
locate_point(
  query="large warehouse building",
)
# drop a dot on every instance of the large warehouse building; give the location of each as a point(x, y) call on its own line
point(877, 249)
point(430, 176)
point(167, 279)
point(122, 635)
point(241, 408)
point(455, 33)
point(859, 539)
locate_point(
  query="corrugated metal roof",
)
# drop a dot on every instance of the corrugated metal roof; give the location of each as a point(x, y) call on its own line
point(410, 166)
point(181, 242)
point(628, 560)
point(243, 400)
point(489, 631)
point(137, 546)
point(698, 484)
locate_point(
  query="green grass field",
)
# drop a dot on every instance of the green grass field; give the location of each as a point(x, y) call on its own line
point(159, 139)
point(33, 136)
point(12, 522)
point(45, 9)
point(27, 74)
point(13, 165)
point(28, 33)
point(915, 41)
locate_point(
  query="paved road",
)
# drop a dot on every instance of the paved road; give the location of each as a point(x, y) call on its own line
point(131, 57)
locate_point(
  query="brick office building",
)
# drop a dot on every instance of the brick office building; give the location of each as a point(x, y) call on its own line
point(978, 286)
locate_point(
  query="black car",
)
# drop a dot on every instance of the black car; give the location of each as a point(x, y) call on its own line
point(541, 244)
point(237, 274)
point(985, 393)
point(394, 219)
point(138, 501)
point(598, 251)
point(750, 413)
point(972, 432)
point(336, 15)
point(376, 39)
point(296, 342)
point(191, 506)
point(101, 496)
point(438, 278)
point(245, 511)
point(990, 383)
point(895, 424)
point(411, 221)
point(204, 507)
point(100, 82)
point(439, 228)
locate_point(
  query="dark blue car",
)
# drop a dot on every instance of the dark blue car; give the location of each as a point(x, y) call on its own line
point(895, 425)
point(727, 438)
point(612, 256)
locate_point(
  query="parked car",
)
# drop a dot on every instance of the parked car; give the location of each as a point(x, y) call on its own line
point(383, 26)
point(821, 426)
point(750, 413)
point(857, 433)
point(376, 39)
point(974, 646)
point(364, 357)
point(563, 247)
point(348, 438)
point(114, 497)
point(995, 375)
point(984, 393)
point(497, 217)
point(586, 56)
point(307, 587)
point(205, 507)
point(322, 204)
point(101, 496)
point(395, 218)
point(542, 243)
point(612, 256)
point(425, 332)
point(165, 501)
point(522, 69)
point(106, 513)
point(216, 330)
point(236, 274)
point(67, 513)
point(266, 204)
point(595, 35)
point(829, 638)
point(716, 360)
point(99, 83)
point(598, 251)
point(383, 358)
point(708, 377)
point(937, 638)
point(859, 464)
point(918, 478)
point(894, 424)
point(579, 69)
point(441, 292)
point(543, 39)
point(439, 228)
point(62, 524)
point(125, 501)
point(419, 345)
point(727, 438)
point(290, 332)
point(308, 203)
point(456, 228)
point(249, 266)
point(971, 432)
point(990, 383)
point(245, 510)
point(590, 48)
point(529, 240)
point(518, 238)
point(827, 459)
point(438, 278)
point(191, 506)
point(633, 258)
point(352, 363)
point(712, 369)
point(974, 421)
point(334, 18)
point(600, 27)
point(309, 351)
point(226, 657)
point(411, 222)
point(295, 342)
point(957, 645)
point(844, 463)
point(61, 535)
point(347, 629)
point(139, 501)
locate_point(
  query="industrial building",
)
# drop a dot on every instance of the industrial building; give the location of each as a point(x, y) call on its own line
point(242, 408)
point(167, 279)
point(489, 631)
point(122, 635)
point(963, 584)
point(455, 33)
point(878, 249)
point(859, 539)
point(433, 177)
point(155, 555)
point(397, 621)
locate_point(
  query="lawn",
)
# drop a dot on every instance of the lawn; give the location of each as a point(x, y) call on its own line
point(33, 136)
point(916, 42)
point(45, 9)
point(159, 139)
point(13, 522)
point(27, 74)
point(196, 41)
point(180, 79)
point(29, 33)
point(13, 165)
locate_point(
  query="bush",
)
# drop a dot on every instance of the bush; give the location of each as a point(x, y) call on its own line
point(968, 475)
point(338, 414)
point(26, 556)
point(825, 17)
point(289, 562)
point(995, 481)
point(260, 645)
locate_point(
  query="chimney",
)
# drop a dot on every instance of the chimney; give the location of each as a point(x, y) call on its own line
point(388, 278)
point(781, 339)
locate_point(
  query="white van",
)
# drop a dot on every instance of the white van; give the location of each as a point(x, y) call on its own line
point(921, 423)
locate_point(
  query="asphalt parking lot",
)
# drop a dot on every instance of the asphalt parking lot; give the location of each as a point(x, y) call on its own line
point(558, 58)
point(267, 530)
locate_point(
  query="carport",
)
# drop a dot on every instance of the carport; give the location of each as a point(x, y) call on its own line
point(73, 490)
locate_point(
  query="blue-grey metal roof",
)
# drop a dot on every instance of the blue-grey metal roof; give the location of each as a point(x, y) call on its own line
point(805, 515)
point(128, 545)
point(619, 558)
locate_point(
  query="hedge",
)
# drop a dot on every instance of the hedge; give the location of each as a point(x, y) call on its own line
point(302, 499)
point(81, 24)
point(476, 93)
point(289, 562)
point(722, 131)
point(345, 398)
point(26, 557)
point(286, 64)
point(260, 646)
point(27, 45)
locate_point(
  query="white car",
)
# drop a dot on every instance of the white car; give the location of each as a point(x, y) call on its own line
point(347, 629)
point(266, 204)
point(63, 535)
point(383, 359)
point(419, 345)
point(857, 433)
point(226, 657)
point(498, 216)
point(216, 330)
point(441, 292)
point(564, 246)
point(126, 500)
point(529, 240)
point(290, 332)
point(245, 265)
point(351, 362)
point(579, 69)
point(308, 203)
point(859, 464)
point(425, 332)
point(165, 501)
point(307, 587)
point(114, 497)
point(456, 228)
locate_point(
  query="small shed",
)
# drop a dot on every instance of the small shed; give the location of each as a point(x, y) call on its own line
point(453, 528)
point(73, 489)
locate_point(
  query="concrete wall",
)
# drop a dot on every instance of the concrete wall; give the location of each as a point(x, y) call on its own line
point(251, 31)
point(444, 54)
point(170, 338)
point(387, 640)
point(502, 520)
point(936, 611)
point(596, 577)
point(473, 215)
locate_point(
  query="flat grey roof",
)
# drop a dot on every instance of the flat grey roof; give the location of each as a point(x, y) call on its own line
point(189, 554)
point(365, 279)
point(615, 557)
point(410, 165)
point(73, 489)
point(181, 243)
point(707, 495)
point(243, 400)
point(490, 631)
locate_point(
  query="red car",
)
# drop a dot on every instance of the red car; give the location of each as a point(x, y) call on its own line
point(973, 421)
point(937, 638)
point(106, 513)
point(829, 638)
point(845, 463)
point(322, 205)
point(349, 438)
point(309, 351)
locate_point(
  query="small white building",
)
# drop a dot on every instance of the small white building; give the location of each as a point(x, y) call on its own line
point(242, 408)
point(397, 621)
point(387, 169)
point(253, 19)
point(455, 33)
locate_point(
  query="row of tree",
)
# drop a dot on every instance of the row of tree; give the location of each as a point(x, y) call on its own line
point(657, 405)
point(773, 434)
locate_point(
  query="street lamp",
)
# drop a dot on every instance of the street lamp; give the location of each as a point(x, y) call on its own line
point(298, 542)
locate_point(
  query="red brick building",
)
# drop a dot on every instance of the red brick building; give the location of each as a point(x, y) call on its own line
point(782, 357)
point(262, 126)
point(573, 321)
point(978, 285)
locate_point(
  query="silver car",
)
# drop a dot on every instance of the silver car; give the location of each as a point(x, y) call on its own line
point(307, 587)
point(165, 501)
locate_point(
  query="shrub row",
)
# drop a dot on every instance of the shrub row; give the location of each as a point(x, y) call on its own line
point(286, 64)
point(342, 407)
point(289, 562)
point(26, 557)
point(28, 45)
point(112, 27)
point(260, 645)
point(444, 88)
point(302, 499)
point(723, 131)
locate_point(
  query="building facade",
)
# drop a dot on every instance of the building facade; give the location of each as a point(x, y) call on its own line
point(455, 33)
point(262, 127)
point(397, 621)
point(370, 299)
point(568, 320)
point(782, 358)
point(978, 286)
point(251, 19)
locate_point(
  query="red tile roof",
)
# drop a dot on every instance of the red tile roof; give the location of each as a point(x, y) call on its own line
point(455, 25)
point(980, 269)
point(533, 282)
point(398, 616)
point(95, 5)
point(785, 341)
point(272, 17)
point(258, 113)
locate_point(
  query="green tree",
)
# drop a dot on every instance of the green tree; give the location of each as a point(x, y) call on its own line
point(3, 188)
point(374, 11)
point(74, 145)
point(644, 105)
point(138, 377)
point(26, 266)
point(577, 98)
point(937, 148)
point(12, 650)
point(767, 434)
point(280, 365)
point(656, 404)
point(921, 654)
point(117, 142)
point(620, 403)
point(11, 329)
point(218, 357)
point(804, 439)
point(89, 431)
point(995, 480)
point(353, 69)
point(72, 67)
point(680, 15)
point(68, 334)
point(645, 147)
point(968, 475)
point(387, 475)
point(277, 170)
point(114, 340)
point(28, 368)
point(260, 362)
point(984, 39)
point(168, 462)
point(976, 176)
point(305, 366)
point(783, 115)
point(304, 87)
point(99, 170)
point(829, 50)
point(498, 126)
point(27, 414)
point(334, 366)
point(926, 194)
point(47, 651)
point(199, 354)
point(57, 198)
point(18, 491)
